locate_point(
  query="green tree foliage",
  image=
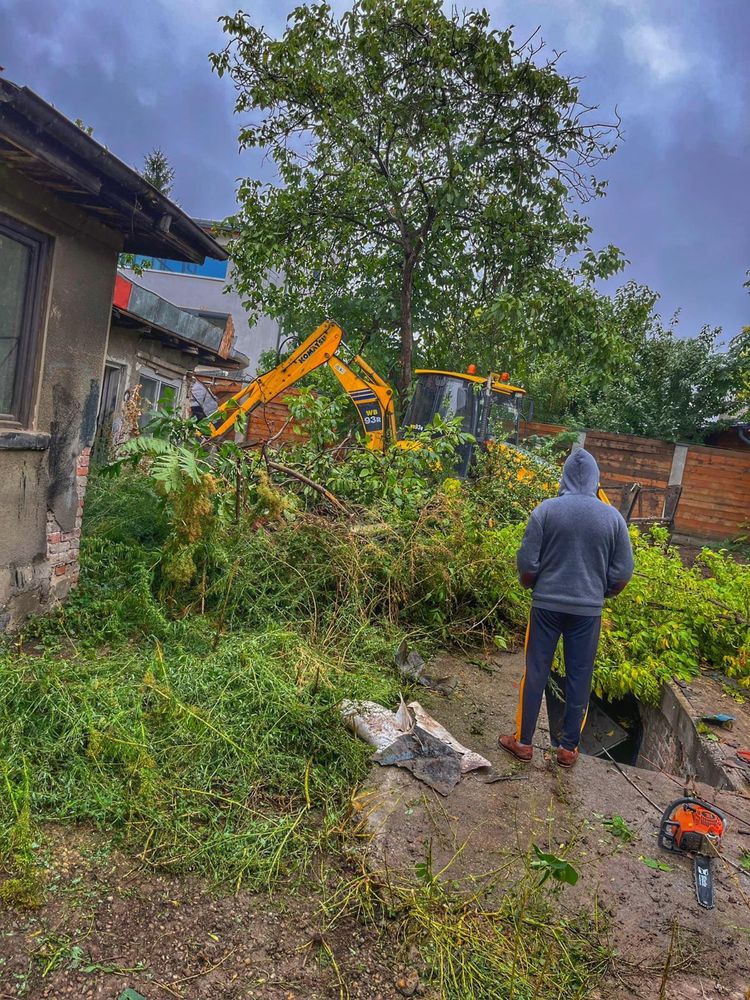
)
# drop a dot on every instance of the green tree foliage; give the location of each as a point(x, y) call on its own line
point(157, 170)
point(662, 385)
point(427, 167)
point(674, 388)
point(564, 340)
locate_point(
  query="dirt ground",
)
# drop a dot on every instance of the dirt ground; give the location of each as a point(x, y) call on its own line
point(550, 807)
point(710, 695)
point(109, 925)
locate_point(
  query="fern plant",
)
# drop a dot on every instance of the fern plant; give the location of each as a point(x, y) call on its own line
point(170, 464)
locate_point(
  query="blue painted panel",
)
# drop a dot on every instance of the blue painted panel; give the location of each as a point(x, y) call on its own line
point(210, 268)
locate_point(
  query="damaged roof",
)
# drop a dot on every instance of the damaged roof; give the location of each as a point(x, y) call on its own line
point(41, 143)
point(136, 306)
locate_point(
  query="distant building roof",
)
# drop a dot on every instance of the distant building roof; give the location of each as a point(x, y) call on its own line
point(40, 142)
point(208, 344)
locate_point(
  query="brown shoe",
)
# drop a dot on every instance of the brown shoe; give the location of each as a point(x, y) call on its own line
point(518, 750)
point(566, 758)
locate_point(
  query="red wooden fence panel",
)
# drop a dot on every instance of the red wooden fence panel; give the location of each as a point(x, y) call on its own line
point(715, 501)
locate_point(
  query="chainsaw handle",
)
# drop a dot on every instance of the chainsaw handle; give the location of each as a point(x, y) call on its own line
point(691, 800)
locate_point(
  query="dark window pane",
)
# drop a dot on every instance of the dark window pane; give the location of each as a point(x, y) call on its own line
point(15, 262)
point(155, 395)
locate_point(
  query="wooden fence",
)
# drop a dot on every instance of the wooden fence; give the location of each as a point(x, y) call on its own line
point(272, 420)
point(715, 500)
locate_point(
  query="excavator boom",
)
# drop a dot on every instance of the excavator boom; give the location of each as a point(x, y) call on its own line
point(371, 395)
point(373, 398)
point(321, 345)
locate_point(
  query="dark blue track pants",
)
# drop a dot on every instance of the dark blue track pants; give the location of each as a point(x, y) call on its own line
point(580, 635)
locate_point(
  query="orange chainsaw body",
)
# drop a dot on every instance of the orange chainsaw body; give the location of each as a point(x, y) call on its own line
point(694, 823)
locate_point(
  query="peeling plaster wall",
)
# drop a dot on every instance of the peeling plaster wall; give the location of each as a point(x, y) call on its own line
point(43, 468)
point(135, 353)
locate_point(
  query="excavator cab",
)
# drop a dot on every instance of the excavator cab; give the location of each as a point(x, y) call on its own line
point(489, 408)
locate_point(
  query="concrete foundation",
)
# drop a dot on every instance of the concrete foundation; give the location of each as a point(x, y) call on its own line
point(672, 743)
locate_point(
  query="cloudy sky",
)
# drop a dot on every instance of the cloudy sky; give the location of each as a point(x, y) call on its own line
point(677, 70)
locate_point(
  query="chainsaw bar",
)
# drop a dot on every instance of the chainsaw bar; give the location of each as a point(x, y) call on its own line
point(704, 881)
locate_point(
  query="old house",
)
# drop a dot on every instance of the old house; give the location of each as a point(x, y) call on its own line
point(154, 348)
point(68, 208)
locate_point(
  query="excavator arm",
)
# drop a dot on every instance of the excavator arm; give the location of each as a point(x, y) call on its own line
point(373, 398)
point(371, 395)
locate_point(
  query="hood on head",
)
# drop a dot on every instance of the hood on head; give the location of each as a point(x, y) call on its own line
point(580, 474)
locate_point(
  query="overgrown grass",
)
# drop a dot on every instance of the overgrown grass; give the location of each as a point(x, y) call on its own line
point(185, 698)
point(480, 943)
point(202, 742)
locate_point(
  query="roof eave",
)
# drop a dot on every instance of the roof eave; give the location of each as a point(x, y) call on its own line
point(100, 182)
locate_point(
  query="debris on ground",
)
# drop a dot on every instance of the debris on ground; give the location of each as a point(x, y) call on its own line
point(428, 758)
point(719, 719)
point(410, 738)
point(412, 667)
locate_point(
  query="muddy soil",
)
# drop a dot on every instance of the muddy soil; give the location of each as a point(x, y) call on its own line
point(108, 925)
point(482, 824)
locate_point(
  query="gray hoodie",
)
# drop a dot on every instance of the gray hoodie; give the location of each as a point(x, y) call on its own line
point(576, 550)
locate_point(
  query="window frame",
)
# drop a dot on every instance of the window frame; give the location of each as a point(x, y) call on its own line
point(33, 310)
point(171, 381)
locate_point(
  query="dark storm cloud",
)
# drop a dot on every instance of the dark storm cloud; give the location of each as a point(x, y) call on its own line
point(677, 71)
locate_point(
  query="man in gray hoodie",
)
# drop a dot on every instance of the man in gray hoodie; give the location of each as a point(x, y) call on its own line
point(575, 552)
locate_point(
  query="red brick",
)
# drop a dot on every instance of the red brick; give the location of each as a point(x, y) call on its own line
point(56, 536)
point(59, 570)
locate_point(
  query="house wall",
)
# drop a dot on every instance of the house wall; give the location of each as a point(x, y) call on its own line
point(208, 294)
point(135, 353)
point(44, 467)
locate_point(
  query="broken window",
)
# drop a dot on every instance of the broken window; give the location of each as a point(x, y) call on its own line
point(22, 257)
point(105, 421)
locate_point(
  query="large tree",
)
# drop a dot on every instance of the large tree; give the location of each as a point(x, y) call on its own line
point(427, 164)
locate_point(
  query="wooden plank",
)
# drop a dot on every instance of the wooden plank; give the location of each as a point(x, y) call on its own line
point(613, 447)
point(702, 501)
point(716, 462)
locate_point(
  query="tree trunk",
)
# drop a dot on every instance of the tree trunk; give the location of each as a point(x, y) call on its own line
point(407, 335)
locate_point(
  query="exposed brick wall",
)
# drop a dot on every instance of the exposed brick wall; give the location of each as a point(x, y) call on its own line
point(63, 547)
point(671, 742)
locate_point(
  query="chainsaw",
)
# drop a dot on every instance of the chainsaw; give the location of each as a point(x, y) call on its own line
point(692, 826)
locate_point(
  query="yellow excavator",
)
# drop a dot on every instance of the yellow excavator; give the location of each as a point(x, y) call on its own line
point(488, 407)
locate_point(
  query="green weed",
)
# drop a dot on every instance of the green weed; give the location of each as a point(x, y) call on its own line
point(618, 827)
point(476, 947)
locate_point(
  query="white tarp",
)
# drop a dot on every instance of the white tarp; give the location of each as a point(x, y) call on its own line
point(380, 727)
